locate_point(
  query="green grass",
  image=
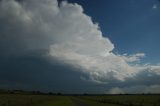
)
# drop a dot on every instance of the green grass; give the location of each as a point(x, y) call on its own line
point(50, 100)
point(91, 101)
point(58, 101)
point(122, 100)
point(34, 100)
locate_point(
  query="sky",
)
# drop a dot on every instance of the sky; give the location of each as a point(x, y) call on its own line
point(80, 46)
point(135, 22)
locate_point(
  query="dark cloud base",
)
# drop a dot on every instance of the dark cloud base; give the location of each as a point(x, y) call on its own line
point(37, 73)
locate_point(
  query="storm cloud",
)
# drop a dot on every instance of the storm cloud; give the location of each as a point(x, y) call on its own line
point(40, 39)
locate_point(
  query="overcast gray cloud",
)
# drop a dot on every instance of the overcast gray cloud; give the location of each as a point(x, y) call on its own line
point(63, 34)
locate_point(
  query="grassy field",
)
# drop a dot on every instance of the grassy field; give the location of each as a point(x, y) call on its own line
point(122, 100)
point(52, 100)
point(34, 100)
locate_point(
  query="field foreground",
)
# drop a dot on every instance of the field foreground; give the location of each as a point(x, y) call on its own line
point(79, 100)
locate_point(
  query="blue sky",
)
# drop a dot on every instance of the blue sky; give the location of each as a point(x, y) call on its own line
point(80, 46)
point(132, 25)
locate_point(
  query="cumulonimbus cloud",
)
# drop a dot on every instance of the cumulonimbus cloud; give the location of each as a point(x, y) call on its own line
point(65, 33)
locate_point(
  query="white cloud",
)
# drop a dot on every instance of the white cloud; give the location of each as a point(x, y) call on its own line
point(133, 58)
point(154, 6)
point(66, 34)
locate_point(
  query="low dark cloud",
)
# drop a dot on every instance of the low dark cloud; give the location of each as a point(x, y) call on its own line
point(37, 73)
